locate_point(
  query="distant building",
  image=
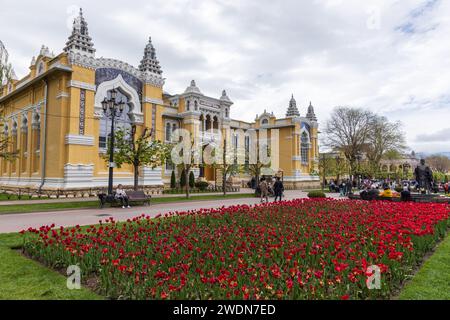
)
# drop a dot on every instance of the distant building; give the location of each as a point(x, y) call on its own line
point(405, 165)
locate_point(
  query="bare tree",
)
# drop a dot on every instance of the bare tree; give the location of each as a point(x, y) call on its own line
point(385, 138)
point(348, 131)
point(439, 163)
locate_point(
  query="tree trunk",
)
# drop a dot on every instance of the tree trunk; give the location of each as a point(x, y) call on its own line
point(136, 177)
point(224, 181)
point(187, 171)
point(224, 172)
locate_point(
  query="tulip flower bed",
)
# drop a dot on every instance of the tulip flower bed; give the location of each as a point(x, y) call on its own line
point(300, 249)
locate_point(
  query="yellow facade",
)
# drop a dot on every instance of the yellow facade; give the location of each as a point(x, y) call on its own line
point(53, 116)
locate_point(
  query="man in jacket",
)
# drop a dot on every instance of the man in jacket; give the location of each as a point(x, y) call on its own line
point(278, 189)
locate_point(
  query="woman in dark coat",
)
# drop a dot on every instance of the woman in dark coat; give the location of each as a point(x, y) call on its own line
point(278, 189)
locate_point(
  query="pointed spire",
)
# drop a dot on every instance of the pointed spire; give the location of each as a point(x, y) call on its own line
point(80, 41)
point(292, 110)
point(311, 115)
point(149, 62)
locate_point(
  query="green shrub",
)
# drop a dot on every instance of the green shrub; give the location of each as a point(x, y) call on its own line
point(202, 185)
point(183, 179)
point(173, 181)
point(191, 180)
point(316, 194)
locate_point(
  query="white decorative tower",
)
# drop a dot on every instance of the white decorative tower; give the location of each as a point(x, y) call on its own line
point(80, 41)
point(292, 111)
point(149, 63)
point(311, 115)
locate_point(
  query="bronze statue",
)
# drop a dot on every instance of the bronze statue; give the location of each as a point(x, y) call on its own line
point(424, 176)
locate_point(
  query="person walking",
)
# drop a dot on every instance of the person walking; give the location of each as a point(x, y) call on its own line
point(278, 189)
point(264, 188)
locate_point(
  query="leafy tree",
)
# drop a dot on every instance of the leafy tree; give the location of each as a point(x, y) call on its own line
point(173, 180)
point(256, 169)
point(138, 152)
point(326, 166)
point(191, 180)
point(186, 156)
point(6, 75)
point(6, 70)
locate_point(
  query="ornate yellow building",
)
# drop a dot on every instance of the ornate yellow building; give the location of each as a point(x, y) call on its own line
point(55, 120)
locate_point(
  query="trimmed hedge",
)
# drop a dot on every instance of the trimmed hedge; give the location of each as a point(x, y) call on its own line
point(316, 194)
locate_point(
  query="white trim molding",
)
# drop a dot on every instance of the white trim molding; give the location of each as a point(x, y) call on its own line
point(81, 85)
point(152, 100)
point(79, 140)
point(129, 91)
point(62, 94)
point(95, 63)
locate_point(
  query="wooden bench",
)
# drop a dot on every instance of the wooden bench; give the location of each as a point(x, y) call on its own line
point(133, 198)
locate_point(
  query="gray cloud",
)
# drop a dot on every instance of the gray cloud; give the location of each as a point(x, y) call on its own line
point(438, 136)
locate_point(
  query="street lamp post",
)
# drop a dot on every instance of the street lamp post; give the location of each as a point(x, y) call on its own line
point(112, 109)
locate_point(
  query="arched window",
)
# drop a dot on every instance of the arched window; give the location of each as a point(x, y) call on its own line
point(188, 106)
point(40, 68)
point(36, 140)
point(5, 130)
point(304, 149)
point(122, 122)
point(24, 143)
point(265, 122)
point(14, 145)
point(5, 135)
point(168, 131)
point(227, 114)
point(24, 132)
point(195, 106)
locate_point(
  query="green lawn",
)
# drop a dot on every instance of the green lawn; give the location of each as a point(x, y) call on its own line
point(12, 197)
point(39, 207)
point(22, 278)
point(432, 282)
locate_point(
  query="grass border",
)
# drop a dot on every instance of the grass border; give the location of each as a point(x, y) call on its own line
point(25, 279)
point(80, 205)
point(432, 280)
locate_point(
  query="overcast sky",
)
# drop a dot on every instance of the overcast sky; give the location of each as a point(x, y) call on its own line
point(390, 56)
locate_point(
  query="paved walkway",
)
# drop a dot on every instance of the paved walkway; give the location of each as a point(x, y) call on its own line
point(17, 222)
point(36, 201)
